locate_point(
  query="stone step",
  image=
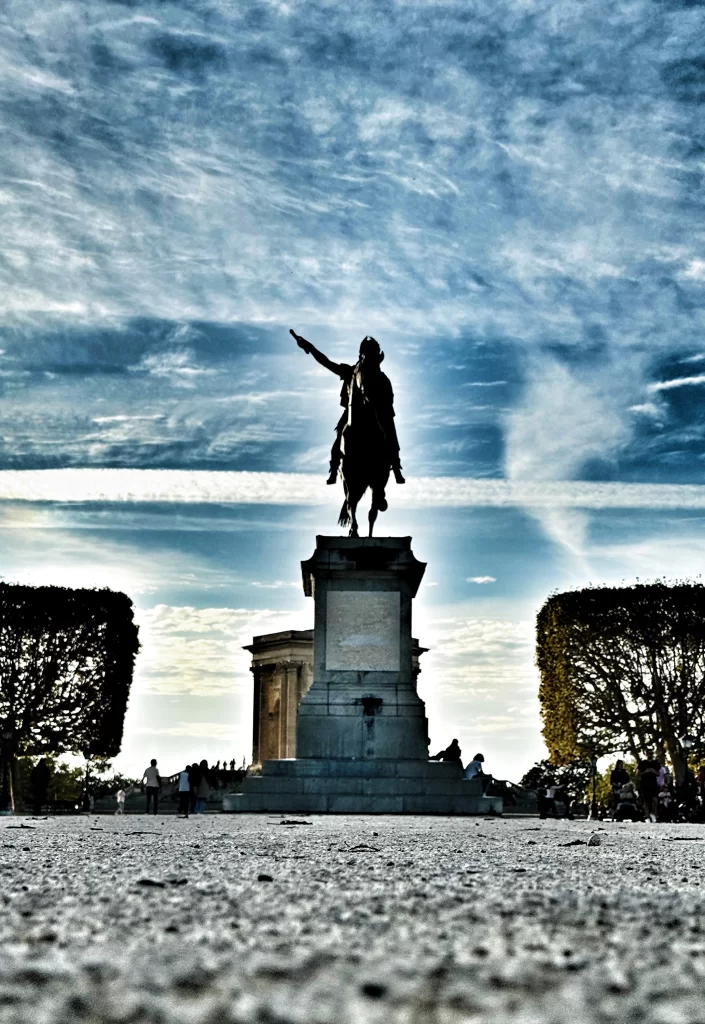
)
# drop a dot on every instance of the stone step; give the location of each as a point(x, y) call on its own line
point(307, 803)
point(348, 786)
point(329, 767)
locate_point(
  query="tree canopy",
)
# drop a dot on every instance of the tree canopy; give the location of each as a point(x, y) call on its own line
point(622, 670)
point(66, 664)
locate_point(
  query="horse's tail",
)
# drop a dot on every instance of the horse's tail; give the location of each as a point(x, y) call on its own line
point(344, 517)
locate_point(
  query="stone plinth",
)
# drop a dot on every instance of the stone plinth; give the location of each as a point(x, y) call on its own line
point(363, 702)
point(361, 731)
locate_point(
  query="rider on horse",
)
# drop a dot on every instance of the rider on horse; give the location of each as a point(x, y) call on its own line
point(366, 396)
point(364, 381)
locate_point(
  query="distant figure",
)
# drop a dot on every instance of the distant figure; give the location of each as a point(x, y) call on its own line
point(195, 776)
point(648, 786)
point(627, 808)
point(232, 764)
point(204, 789)
point(667, 802)
point(184, 792)
point(688, 794)
point(475, 767)
point(152, 783)
point(39, 779)
point(619, 776)
point(546, 794)
point(120, 797)
point(451, 753)
point(365, 438)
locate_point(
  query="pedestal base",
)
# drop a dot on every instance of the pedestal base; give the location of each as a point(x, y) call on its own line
point(327, 786)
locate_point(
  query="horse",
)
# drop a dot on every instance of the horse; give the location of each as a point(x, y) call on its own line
point(365, 463)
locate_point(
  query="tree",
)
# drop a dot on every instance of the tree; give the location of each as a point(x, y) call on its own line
point(66, 664)
point(574, 775)
point(622, 670)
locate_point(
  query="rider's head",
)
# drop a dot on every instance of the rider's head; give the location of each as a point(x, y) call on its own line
point(370, 350)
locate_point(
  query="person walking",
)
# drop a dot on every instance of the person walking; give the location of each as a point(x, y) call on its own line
point(120, 797)
point(152, 783)
point(184, 792)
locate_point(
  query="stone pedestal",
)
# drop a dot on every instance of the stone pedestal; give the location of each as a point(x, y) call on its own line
point(363, 702)
point(361, 732)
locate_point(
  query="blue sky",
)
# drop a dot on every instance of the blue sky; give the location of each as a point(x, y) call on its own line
point(508, 196)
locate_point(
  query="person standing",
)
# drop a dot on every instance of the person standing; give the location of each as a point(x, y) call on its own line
point(152, 783)
point(204, 789)
point(648, 786)
point(195, 778)
point(120, 797)
point(184, 792)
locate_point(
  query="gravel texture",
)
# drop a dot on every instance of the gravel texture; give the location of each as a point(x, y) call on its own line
point(245, 919)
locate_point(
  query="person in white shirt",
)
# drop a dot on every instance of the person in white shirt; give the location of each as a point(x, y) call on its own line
point(120, 797)
point(152, 784)
point(184, 792)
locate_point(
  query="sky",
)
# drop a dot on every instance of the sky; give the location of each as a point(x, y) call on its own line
point(508, 196)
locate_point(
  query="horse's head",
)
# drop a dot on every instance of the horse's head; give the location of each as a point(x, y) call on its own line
point(370, 351)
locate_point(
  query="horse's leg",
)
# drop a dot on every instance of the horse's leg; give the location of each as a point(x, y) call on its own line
point(379, 500)
point(355, 492)
point(353, 500)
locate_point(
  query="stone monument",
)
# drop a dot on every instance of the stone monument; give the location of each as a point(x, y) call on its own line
point(361, 733)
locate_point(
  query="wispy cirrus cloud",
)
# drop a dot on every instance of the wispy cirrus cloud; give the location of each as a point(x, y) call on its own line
point(677, 382)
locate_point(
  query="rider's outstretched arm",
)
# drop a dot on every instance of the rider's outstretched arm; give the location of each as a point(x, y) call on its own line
point(313, 351)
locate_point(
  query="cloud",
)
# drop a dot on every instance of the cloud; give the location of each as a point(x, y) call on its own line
point(200, 650)
point(677, 382)
point(69, 486)
point(481, 579)
point(277, 584)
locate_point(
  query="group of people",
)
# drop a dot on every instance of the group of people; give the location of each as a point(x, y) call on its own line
point(194, 786)
point(656, 797)
point(454, 754)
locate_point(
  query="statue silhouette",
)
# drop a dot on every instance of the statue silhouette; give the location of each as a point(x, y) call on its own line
point(366, 448)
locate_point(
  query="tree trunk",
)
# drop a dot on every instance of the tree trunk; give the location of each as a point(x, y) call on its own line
point(7, 783)
point(677, 759)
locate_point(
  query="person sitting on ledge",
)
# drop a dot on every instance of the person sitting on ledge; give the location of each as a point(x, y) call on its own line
point(451, 753)
point(475, 767)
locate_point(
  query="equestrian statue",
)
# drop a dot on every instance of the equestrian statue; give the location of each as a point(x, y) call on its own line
point(366, 449)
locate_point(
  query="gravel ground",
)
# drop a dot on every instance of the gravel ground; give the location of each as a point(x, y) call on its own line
point(247, 919)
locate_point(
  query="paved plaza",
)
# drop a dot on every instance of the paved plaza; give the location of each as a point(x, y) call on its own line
point(340, 920)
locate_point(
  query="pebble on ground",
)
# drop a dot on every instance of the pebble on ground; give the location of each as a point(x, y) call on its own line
point(225, 919)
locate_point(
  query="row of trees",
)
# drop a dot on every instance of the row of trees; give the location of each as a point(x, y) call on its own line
point(623, 671)
point(66, 665)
